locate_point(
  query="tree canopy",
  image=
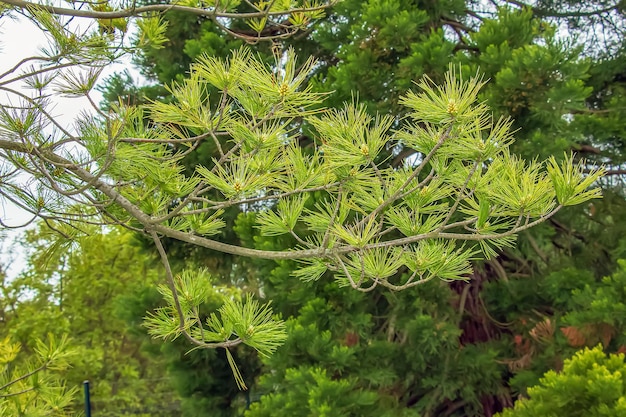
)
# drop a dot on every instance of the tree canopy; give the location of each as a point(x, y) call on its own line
point(401, 186)
point(72, 299)
point(466, 187)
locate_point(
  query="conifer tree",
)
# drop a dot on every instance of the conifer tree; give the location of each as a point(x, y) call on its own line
point(379, 48)
point(341, 206)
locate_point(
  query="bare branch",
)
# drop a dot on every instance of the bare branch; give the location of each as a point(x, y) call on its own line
point(142, 10)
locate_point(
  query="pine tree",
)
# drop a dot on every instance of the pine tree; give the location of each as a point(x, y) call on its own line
point(366, 263)
point(378, 48)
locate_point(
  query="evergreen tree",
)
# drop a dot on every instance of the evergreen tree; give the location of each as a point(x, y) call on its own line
point(558, 100)
point(590, 384)
point(546, 113)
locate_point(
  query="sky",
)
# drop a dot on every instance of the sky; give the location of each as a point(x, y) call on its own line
point(19, 38)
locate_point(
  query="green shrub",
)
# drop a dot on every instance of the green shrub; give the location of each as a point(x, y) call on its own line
point(590, 384)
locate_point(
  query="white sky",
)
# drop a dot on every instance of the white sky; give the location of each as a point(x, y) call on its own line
point(18, 39)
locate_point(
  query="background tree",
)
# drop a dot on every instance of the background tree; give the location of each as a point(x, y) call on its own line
point(561, 98)
point(79, 290)
point(590, 384)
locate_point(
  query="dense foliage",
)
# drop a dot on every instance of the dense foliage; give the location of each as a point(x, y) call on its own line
point(443, 348)
point(590, 384)
point(79, 291)
point(455, 349)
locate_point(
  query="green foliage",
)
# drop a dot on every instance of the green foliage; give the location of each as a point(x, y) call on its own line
point(378, 49)
point(152, 31)
point(596, 314)
point(550, 316)
point(535, 78)
point(238, 321)
point(34, 385)
point(471, 173)
point(363, 346)
point(202, 379)
point(567, 186)
point(315, 392)
point(590, 384)
point(335, 189)
point(79, 290)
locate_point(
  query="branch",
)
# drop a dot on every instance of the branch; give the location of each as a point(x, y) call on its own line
point(587, 149)
point(137, 11)
point(25, 60)
point(515, 230)
point(25, 376)
point(413, 175)
point(150, 227)
point(181, 316)
point(13, 394)
point(535, 246)
point(538, 11)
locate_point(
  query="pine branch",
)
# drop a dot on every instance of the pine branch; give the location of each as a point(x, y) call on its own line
point(142, 10)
